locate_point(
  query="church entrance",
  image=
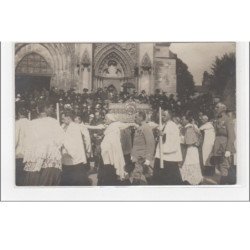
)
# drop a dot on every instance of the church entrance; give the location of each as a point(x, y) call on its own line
point(32, 73)
point(30, 83)
point(113, 65)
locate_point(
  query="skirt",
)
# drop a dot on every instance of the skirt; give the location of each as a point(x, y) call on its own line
point(19, 172)
point(191, 169)
point(50, 177)
point(31, 178)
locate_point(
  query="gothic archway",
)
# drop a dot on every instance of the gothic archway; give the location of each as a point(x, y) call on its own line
point(60, 57)
point(112, 64)
point(34, 64)
point(32, 72)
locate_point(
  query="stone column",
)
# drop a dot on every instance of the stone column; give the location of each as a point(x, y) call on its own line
point(85, 66)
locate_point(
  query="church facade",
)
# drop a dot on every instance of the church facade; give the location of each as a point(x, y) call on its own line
point(144, 66)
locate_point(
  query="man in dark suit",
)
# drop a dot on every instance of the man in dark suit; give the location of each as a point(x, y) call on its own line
point(142, 154)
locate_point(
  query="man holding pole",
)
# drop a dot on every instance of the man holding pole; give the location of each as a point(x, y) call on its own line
point(169, 151)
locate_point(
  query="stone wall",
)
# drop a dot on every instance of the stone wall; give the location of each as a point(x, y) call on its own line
point(146, 80)
point(147, 65)
point(164, 69)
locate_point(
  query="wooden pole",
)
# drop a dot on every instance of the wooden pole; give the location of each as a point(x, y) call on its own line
point(160, 139)
point(57, 112)
point(29, 115)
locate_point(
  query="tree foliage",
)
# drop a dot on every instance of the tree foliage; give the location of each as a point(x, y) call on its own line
point(185, 81)
point(224, 73)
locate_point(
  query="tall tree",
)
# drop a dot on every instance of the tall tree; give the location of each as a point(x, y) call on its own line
point(185, 81)
point(207, 79)
point(224, 72)
point(224, 79)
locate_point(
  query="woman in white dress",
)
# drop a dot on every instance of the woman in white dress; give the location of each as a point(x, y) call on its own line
point(191, 170)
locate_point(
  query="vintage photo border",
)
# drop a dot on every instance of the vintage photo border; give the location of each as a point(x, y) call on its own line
point(238, 192)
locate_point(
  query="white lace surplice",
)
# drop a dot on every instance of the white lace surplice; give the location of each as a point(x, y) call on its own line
point(191, 170)
point(42, 149)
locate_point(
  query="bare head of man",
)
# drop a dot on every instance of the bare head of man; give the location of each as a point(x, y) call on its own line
point(140, 117)
point(166, 115)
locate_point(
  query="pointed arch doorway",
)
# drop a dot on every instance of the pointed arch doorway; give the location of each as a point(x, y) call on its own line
point(32, 73)
point(113, 66)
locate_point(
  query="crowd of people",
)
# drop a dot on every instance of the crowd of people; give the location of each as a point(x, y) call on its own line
point(95, 103)
point(86, 140)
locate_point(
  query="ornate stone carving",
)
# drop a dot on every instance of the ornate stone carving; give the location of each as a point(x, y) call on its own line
point(85, 58)
point(146, 62)
point(132, 49)
point(125, 112)
point(33, 64)
point(106, 52)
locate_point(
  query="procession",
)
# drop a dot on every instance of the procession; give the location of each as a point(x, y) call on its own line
point(124, 125)
point(120, 114)
point(83, 144)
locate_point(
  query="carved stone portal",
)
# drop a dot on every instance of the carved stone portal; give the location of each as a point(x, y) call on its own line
point(113, 64)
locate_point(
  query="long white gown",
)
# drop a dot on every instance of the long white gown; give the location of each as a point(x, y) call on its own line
point(191, 170)
point(111, 149)
point(208, 143)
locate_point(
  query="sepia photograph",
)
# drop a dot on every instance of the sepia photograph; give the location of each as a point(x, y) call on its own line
point(124, 124)
point(125, 114)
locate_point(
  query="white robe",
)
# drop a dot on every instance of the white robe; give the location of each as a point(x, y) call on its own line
point(191, 170)
point(171, 148)
point(43, 144)
point(208, 143)
point(73, 152)
point(111, 149)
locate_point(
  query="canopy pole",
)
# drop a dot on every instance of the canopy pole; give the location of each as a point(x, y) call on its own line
point(160, 139)
point(57, 112)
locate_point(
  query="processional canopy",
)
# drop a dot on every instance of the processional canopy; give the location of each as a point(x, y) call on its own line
point(125, 112)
